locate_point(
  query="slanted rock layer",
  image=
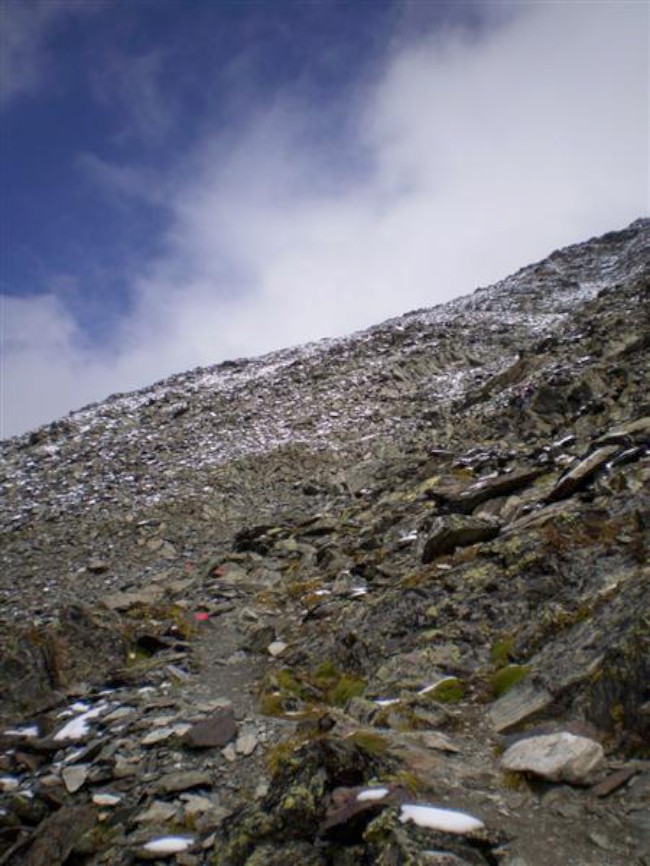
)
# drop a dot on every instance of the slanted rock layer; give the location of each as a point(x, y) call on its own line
point(377, 600)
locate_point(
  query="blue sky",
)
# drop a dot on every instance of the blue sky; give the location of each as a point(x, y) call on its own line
point(185, 181)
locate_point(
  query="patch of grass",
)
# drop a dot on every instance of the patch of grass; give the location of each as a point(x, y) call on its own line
point(501, 650)
point(617, 714)
point(371, 742)
point(513, 781)
point(280, 755)
point(559, 618)
point(448, 691)
point(347, 687)
point(325, 685)
point(287, 682)
point(405, 779)
point(296, 589)
point(327, 670)
point(271, 704)
point(166, 618)
point(507, 678)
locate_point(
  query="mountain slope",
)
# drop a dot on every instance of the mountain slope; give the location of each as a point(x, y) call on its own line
point(448, 511)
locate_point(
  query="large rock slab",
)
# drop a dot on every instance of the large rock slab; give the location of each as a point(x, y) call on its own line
point(519, 704)
point(489, 488)
point(215, 731)
point(560, 757)
point(581, 474)
point(56, 837)
point(455, 530)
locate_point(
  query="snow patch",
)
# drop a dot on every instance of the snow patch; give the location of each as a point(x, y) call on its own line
point(77, 728)
point(169, 844)
point(446, 820)
point(29, 732)
point(371, 794)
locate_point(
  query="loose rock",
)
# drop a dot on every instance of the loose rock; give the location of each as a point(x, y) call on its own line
point(561, 757)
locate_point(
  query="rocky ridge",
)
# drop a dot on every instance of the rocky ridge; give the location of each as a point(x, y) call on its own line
point(381, 599)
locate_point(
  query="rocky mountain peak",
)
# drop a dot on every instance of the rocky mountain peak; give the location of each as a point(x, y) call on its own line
point(374, 600)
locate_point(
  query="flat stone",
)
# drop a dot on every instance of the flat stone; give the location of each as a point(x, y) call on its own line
point(582, 473)
point(213, 732)
point(431, 740)
point(519, 704)
point(614, 781)
point(635, 431)
point(183, 781)
point(444, 858)
point(194, 804)
point(106, 798)
point(58, 835)
point(158, 813)
point(246, 743)
point(126, 600)
point(158, 736)
point(276, 648)
point(561, 757)
point(455, 530)
point(469, 498)
point(75, 777)
point(97, 566)
point(230, 753)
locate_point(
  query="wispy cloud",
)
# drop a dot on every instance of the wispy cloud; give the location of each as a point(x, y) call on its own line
point(133, 86)
point(468, 157)
point(26, 26)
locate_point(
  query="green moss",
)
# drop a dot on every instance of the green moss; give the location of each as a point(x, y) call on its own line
point(447, 691)
point(370, 742)
point(508, 677)
point(271, 704)
point(327, 670)
point(501, 650)
point(405, 779)
point(617, 714)
point(325, 685)
point(287, 682)
point(347, 687)
point(136, 655)
point(280, 755)
point(301, 588)
point(513, 781)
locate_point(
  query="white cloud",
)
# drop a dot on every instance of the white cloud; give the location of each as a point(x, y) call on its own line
point(37, 367)
point(482, 154)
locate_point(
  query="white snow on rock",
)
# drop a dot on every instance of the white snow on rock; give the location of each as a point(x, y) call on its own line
point(77, 728)
point(28, 732)
point(371, 794)
point(73, 730)
point(446, 820)
point(561, 757)
point(169, 844)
